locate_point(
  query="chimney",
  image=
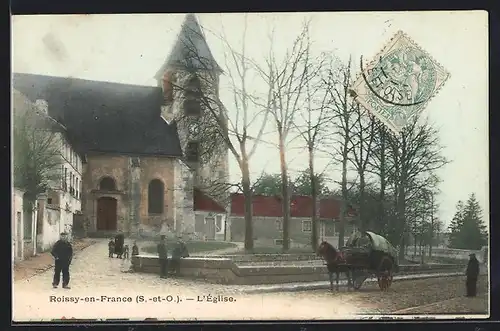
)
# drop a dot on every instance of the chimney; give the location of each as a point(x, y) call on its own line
point(42, 106)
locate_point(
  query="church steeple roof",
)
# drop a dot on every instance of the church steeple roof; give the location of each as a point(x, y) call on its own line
point(191, 50)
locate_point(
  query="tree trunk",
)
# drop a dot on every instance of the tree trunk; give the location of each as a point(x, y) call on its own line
point(314, 198)
point(286, 195)
point(343, 204)
point(415, 245)
point(383, 182)
point(401, 220)
point(432, 226)
point(248, 196)
point(421, 244)
point(401, 209)
point(361, 214)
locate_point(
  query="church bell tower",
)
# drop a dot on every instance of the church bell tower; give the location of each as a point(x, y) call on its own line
point(189, 78)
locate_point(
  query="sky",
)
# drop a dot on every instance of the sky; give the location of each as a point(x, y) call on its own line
point(131, 48)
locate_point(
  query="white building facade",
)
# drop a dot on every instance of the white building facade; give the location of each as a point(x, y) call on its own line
point(54, 209)
point(63, 198)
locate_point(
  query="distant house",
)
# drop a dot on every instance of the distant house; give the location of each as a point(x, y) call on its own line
point(210, 217)
point(268, 220)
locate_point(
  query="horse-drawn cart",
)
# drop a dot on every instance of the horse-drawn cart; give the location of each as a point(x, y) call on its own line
point(365, 254)
point(370, 254)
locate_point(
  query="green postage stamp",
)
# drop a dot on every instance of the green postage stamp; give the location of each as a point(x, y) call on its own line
point(399, 83)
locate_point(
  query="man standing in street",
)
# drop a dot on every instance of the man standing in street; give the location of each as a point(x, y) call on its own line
point(472, 276)
point(163, 257)
point(63, 255)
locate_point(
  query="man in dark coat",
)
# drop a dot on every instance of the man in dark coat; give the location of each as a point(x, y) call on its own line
point(163, 257)
point(179, 252)
point(63, 255)
point(119, 241)
point(472, 275)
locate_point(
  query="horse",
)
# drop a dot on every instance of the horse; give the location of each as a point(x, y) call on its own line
point(335, 263)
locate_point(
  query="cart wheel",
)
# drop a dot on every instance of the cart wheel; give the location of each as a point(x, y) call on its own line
point(384, 274)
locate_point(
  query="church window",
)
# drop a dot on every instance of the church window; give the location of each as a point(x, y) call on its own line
point(107, 184)
point(192, 107)
point(192, 103)
point(193, 151)
point(155, 197)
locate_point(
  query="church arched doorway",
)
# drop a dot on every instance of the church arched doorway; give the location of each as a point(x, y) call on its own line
point(106, 214)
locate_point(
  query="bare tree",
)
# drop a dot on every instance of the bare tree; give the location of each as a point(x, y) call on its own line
point(361, 141)
point(287, 79)
point(380, 167)
point(416, 152)
point(215, 128)
point(311, 127)
point(343, 120)
point(36, 148)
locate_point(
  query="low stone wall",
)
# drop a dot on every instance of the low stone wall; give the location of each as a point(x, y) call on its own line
point(271, 257)
point(28, 248)
point(222, 270)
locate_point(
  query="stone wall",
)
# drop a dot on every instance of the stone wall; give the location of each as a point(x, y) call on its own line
point(132, 176)
point(28, 249)
point(53, 225)
point(183, 201)
point(17, 225)
point(225, 271)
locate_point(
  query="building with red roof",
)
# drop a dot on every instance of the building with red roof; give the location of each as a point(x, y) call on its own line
point(210, 216)
point(268, 219)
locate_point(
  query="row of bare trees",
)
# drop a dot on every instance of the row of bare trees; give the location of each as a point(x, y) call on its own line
point(304, 97)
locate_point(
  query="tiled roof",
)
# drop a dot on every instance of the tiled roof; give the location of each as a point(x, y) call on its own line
point(203, 202)
point(301, 206)
point(104, 116)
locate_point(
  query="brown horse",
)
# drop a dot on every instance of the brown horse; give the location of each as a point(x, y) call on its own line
point(335, 263)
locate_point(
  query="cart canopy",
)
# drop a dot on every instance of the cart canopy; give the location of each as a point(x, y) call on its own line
point(379, 243)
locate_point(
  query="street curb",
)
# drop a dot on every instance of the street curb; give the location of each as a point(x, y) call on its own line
point(47, 268)
point(343, 283)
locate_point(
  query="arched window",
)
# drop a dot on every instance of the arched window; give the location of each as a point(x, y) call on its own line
point(193, 87)
point(107, 184)
point(192, 103)
point(155, 197)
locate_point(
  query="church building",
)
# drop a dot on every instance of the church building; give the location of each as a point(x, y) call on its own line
point(145, 169)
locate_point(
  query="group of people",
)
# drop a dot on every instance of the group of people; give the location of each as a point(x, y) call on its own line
point(62, 251)
point(179, 251)
point(116, 246)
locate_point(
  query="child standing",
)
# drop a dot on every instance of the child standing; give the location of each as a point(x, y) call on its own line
point(111, 247)
point(135, 249)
